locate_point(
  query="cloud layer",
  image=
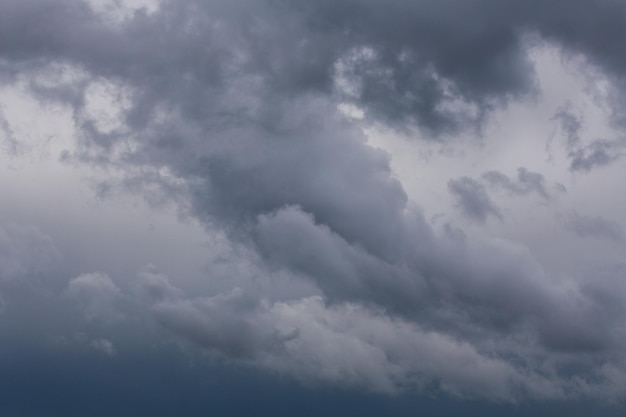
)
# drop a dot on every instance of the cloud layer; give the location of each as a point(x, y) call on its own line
point(231, 112)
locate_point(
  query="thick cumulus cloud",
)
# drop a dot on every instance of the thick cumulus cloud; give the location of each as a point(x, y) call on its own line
point(231, 109)
point(344, 345)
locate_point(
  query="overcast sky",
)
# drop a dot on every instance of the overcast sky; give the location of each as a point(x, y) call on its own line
point(297, 207)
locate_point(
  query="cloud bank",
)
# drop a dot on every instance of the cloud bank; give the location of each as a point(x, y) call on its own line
point(333, 273)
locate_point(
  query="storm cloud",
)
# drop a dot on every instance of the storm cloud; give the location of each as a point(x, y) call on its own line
point(231, 112)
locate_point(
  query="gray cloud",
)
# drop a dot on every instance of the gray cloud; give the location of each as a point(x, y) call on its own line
point(96, 294)
point(103, 346)
point(221, 323)
point(8, 142)
point(527, 182)
point(473, 200)
point(155, 286)
point(571, 125)
point(25, 252)
point(345, 345)
point(597, 154)
point(352, 345)
point(593, 226)
point(231, 109)
point(585, 157)
point(403, 61)
point(343, 271)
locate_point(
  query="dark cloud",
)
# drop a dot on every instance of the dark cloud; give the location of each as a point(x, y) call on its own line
point(402, 62)
point(8, 142)
point(345, 345)
point(472, 199)
point(571, 125)
point(344, 271)
point(527, 182)
point(585, 157)
point(231, 110)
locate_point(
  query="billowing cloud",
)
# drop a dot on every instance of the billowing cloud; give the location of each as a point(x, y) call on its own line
point(231, 113)
point(345, 345)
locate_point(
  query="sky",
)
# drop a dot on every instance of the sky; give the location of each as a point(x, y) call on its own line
point(347, 207)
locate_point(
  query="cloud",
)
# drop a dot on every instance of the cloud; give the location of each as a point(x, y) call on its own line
point(585, 157)
point(343, 271)
point(472, 199)
point(478, 304)
point(25, 252)
point(527, 182)
point(597, 154)
point(350, 345)
point(224, 323)
point(103, 346)
point(96, 295)
point(403, 63)
point(231, 110)
point(345, 345)
point(590, 226)
point(155, 286)
point(8, 143)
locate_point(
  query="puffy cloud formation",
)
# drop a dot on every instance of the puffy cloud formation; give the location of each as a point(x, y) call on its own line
point(324, 267)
